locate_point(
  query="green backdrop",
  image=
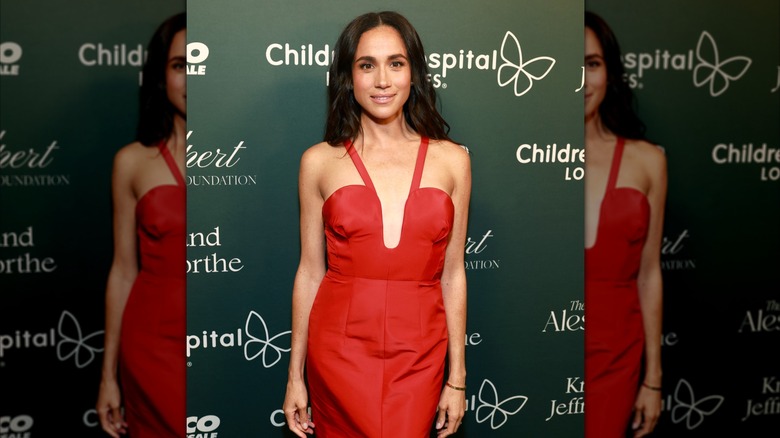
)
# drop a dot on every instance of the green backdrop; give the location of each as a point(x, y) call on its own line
point(68, 100)
point(508, 76)
point(706, 77)
point(69, 79)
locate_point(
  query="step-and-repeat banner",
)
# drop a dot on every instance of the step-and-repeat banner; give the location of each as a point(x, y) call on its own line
point(706, 75)
point(69, 80)
point(508, 76)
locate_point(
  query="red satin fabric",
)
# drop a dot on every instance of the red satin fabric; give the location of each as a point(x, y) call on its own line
point(614, 335)
point(152, 356)
point(377, 329)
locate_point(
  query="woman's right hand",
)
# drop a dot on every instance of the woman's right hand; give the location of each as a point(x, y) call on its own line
point(109, 409)
point(296, 409)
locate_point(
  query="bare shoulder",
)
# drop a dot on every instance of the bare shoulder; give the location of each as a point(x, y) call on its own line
point(316, 156)
point(651, 159)
point(317, 163)
point(647, 151)
point(452, 154)
point(648, 155)
point(128, 157)
point(319, 148)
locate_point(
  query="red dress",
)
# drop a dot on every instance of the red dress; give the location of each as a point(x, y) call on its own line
point(614, 335)
point(377, 330)
point(152, 356)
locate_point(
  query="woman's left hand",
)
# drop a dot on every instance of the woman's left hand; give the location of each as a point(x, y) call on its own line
point(647, 409)
point(452, 408)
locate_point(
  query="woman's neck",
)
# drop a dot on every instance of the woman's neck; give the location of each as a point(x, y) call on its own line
point(178, 137)
point(595, 130)
point(386, 133)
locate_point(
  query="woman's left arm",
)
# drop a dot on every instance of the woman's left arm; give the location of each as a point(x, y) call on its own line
point(452, 405)
point(647, 407)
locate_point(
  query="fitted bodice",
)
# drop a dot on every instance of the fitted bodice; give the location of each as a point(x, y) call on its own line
point(355, 235)
point(161, 225)
point(624, 217)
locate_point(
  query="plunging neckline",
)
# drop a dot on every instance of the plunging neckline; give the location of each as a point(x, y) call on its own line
point(614, 170)
point(413, 187)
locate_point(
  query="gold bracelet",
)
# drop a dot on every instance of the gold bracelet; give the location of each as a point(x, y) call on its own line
point(654, 388)
point(457, 388)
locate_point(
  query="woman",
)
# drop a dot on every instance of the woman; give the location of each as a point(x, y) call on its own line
point(145, 305)
point(625, 193)
point(388, 192)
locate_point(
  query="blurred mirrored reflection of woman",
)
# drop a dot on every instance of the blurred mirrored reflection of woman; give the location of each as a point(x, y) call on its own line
point(625, 195)
point(142, 388)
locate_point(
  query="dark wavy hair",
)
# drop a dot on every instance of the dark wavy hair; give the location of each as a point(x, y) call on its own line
point(155, 121)
point(617, 110)
point(344, 111)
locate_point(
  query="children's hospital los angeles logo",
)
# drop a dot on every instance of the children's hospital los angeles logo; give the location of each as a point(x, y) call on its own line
point(711, 70)
point(689, 410)
point(71, 342)
point(255, 338)
point(513, 67)
point(520, 74)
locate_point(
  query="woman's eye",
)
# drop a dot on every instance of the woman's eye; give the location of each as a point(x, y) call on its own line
point(365, 66)
point(397, 64)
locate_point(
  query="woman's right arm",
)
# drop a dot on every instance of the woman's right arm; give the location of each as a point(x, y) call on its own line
point(648, 404)
point(124, 269)
point(311, 270)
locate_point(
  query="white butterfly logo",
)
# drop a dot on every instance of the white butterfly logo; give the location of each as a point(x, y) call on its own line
point(497, 412)
point(263, 345)
point(73, 344)
point(711, 69)
point(690, 410)
point(532, 70)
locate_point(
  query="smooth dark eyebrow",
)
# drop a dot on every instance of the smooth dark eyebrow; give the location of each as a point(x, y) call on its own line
point(366, 58)
point(373, 60)
point(593, 56)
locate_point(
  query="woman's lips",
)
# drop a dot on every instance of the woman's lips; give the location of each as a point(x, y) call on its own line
point(382, 98)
